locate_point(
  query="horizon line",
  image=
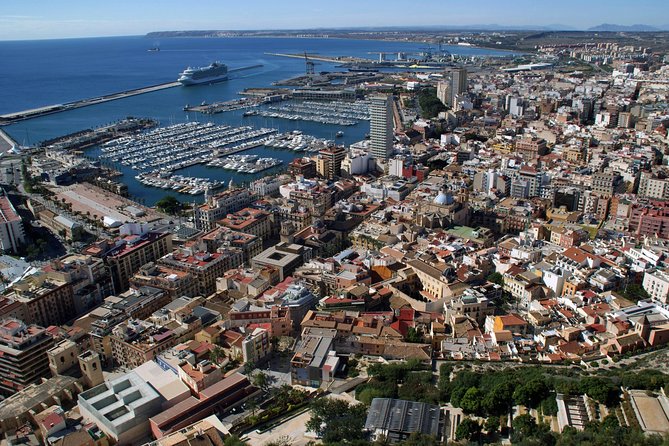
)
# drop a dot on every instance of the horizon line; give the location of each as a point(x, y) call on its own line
point(454, 28)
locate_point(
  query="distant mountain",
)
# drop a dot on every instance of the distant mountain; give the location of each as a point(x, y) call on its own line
point(608, 27)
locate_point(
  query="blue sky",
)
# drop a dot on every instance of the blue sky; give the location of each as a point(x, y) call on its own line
point(40, 19)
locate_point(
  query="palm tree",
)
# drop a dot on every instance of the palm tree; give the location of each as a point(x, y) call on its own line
point(216, 355)
point(253, 406)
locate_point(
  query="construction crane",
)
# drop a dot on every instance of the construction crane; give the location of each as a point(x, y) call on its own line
point(309, 65)
point(426, 51)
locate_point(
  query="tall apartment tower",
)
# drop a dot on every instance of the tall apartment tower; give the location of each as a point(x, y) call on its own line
point(381, 127)
point(458, 83)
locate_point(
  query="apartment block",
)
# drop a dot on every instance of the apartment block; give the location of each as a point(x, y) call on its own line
point(315, 360)
point(23, 358)
point(220, 205)
point(285, 257)
point(126, 255)
point(256, 346)
point(47, 299)
point(222, 238)
point(249, 221)
point(656, 283)
point(12, 235)
point(173, 282)
point(205, 267)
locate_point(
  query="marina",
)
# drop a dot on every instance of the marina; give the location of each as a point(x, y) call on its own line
point(178, 183)
point(245, 163)
point(181, 145)
point(105, 69)
point(298, 142)
point(333, 112)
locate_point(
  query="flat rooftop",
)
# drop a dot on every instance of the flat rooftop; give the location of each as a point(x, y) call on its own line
point(33, 395)
point(96, 201)
point(651, 411)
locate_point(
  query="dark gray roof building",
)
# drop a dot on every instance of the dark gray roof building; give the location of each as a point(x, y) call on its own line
point(397, 419)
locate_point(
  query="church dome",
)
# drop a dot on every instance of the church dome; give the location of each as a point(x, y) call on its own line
point(443, 198)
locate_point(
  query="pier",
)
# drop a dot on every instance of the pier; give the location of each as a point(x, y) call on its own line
point(57, 108)
point(341, 59)
point(250, 67)
point(226, 106)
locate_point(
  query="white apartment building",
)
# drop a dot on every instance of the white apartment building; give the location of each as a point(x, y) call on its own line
point(656, 284)
point(11, 227)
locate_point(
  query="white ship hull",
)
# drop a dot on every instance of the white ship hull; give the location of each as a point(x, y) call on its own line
point(207, 80)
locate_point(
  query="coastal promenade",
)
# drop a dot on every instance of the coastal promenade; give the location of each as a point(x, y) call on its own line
point(57, 108)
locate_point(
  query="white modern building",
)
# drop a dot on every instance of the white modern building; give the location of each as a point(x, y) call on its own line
point(121, 407)
point(356, 162)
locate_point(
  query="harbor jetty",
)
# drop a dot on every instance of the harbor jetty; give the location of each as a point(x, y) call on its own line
point(67, 106)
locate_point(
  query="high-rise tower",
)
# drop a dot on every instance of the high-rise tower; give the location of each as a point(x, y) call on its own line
point(454, 83)
point(381, 127)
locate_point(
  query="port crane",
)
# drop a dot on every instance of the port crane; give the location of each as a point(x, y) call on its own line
point(309, 65)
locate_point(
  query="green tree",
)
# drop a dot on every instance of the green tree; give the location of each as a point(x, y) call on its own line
point(249, 367)
point(261, 380)
point(499, 399)
point(549, 406)
point(492, 425)
point(284, 440)
point(169, 205)
point(233, 440)
point(430, 104)
point(471, 401)
point(496, 278)
point(468, 429)
point(216, 355)
point(527, 431)
point(336, 420)
point(367, 393)
point(601, 390)
point(418, 439)
point(415, 336)
point(531, 393)
point(418, 387)
point(634, 292)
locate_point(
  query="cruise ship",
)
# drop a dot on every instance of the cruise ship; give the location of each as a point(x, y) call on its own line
point(215, 72)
